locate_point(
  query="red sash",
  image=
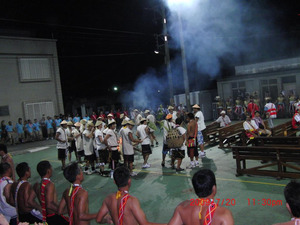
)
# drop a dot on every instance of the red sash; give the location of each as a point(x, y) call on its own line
point(210, 213)
point(76, 189)
point(122, 207)
point(43, 199)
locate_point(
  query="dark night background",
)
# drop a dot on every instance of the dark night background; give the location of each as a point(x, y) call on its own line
point(107, 43)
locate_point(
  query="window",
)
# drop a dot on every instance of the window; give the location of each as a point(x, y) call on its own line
point(4, 110)
point(269, 88)
point(238, 89)
point(34, 69)
point(36, 110)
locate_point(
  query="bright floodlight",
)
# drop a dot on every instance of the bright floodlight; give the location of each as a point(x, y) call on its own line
point(179, 3)
point(115, 88)
point(156, 52)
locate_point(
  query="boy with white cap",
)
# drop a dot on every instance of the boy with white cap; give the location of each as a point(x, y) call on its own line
point(88, 147)
point(78, 141)
point(111, 141)
point(101, 151)
point(62, 142)
point(143, 132)
point(127, 139)
point(201, 127)
point(223, 120)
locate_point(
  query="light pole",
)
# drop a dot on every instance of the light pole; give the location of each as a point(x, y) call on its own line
point(177, 4)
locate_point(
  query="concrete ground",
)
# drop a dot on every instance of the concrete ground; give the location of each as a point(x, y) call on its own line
point(160, 190)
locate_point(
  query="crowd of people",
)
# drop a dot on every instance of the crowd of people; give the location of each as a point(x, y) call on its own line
point(100, 143)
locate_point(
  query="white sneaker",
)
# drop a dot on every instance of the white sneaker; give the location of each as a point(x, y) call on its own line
point(112, 174)
point(202, 154)
point(148, 165)
point(196, 163)
point(89, 172)
point(144, 166)
point(133, 174)
point(192, 165)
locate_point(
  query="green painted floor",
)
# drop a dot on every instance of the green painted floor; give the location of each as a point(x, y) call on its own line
point(161, 190)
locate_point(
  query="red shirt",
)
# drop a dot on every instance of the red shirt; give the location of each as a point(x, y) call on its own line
point(94, 117)
point(118, 114)
point(252, 107)
point(103, 115)
point(295, 124)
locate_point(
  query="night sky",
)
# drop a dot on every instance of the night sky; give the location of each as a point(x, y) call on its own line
point(103, 43)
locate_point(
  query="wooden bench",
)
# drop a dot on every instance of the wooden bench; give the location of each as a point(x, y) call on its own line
point(277, 141)
point(279, 159)
point(283, 128)
point(212, 133)
point(232, 134)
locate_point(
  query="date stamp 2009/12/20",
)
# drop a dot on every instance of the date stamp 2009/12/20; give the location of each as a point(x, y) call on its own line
point(232, 202)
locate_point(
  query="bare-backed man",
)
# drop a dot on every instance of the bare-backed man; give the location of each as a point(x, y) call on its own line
point(123, 208)
point(46, 193)
point(191, 136)
point(207, 211)
point(24, 196)
point(75, 199)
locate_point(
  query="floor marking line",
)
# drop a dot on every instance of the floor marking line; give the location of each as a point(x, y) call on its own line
point(37, 149)
point(224, 179)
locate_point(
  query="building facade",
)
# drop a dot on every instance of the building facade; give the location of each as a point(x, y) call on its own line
point(267, 79)
point(30, 80)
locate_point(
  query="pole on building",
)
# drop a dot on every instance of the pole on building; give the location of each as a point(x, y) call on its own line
point(184, 66)
point(167, 54)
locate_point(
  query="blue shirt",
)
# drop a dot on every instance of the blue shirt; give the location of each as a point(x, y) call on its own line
point(36, 126)
point(87, 118)
point(29, 128)
point(9, 128)
point(19, 128)
point(76, 119)
point(49, 124)
point(57, 122)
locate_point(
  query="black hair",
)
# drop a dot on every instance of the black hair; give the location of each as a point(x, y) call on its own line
point(109, 125)
point(121, 176)
point(22, 168)
point(71, 171)
point(3, 148)
point(203, 182)
point(292, 197)
point(178, 121)
point(4, 167)
point(257, 112)
point(191, 116)
point(42, 167)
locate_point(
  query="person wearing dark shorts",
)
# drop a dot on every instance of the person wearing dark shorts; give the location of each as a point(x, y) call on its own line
point(127, 147)
point(27, 217)
point(179, 153)
point(57, 219)
point(62, 143)
point(143, 132)
point(167, 125)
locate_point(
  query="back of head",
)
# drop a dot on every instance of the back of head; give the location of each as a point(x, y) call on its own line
point(42, 167)
point(22, 168)
point(203, 182)
point(178, 121)
point(3, 148)
point(71, 171)
point(292, 197)
point(4, 167)
point(121, 176)
point(191, 116)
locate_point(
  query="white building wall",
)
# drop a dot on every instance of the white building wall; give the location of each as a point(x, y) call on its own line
point(16, 93)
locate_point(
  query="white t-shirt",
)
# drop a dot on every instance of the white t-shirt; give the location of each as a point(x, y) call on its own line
point(223, 121)
point(174, 115)
point(201, 124)
point(269, 106)
point(138, 119)
point(69, 134)
point(182, 131)
point(62, 136)
point(6, 209)
point(167, 126)
point(112, 141)
point(141, 129)
point(126, 142)
point(99, 144)
point(247, 126)
point(88, 146)
point(78, 140)
point(151, 118)
point(105, 131)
